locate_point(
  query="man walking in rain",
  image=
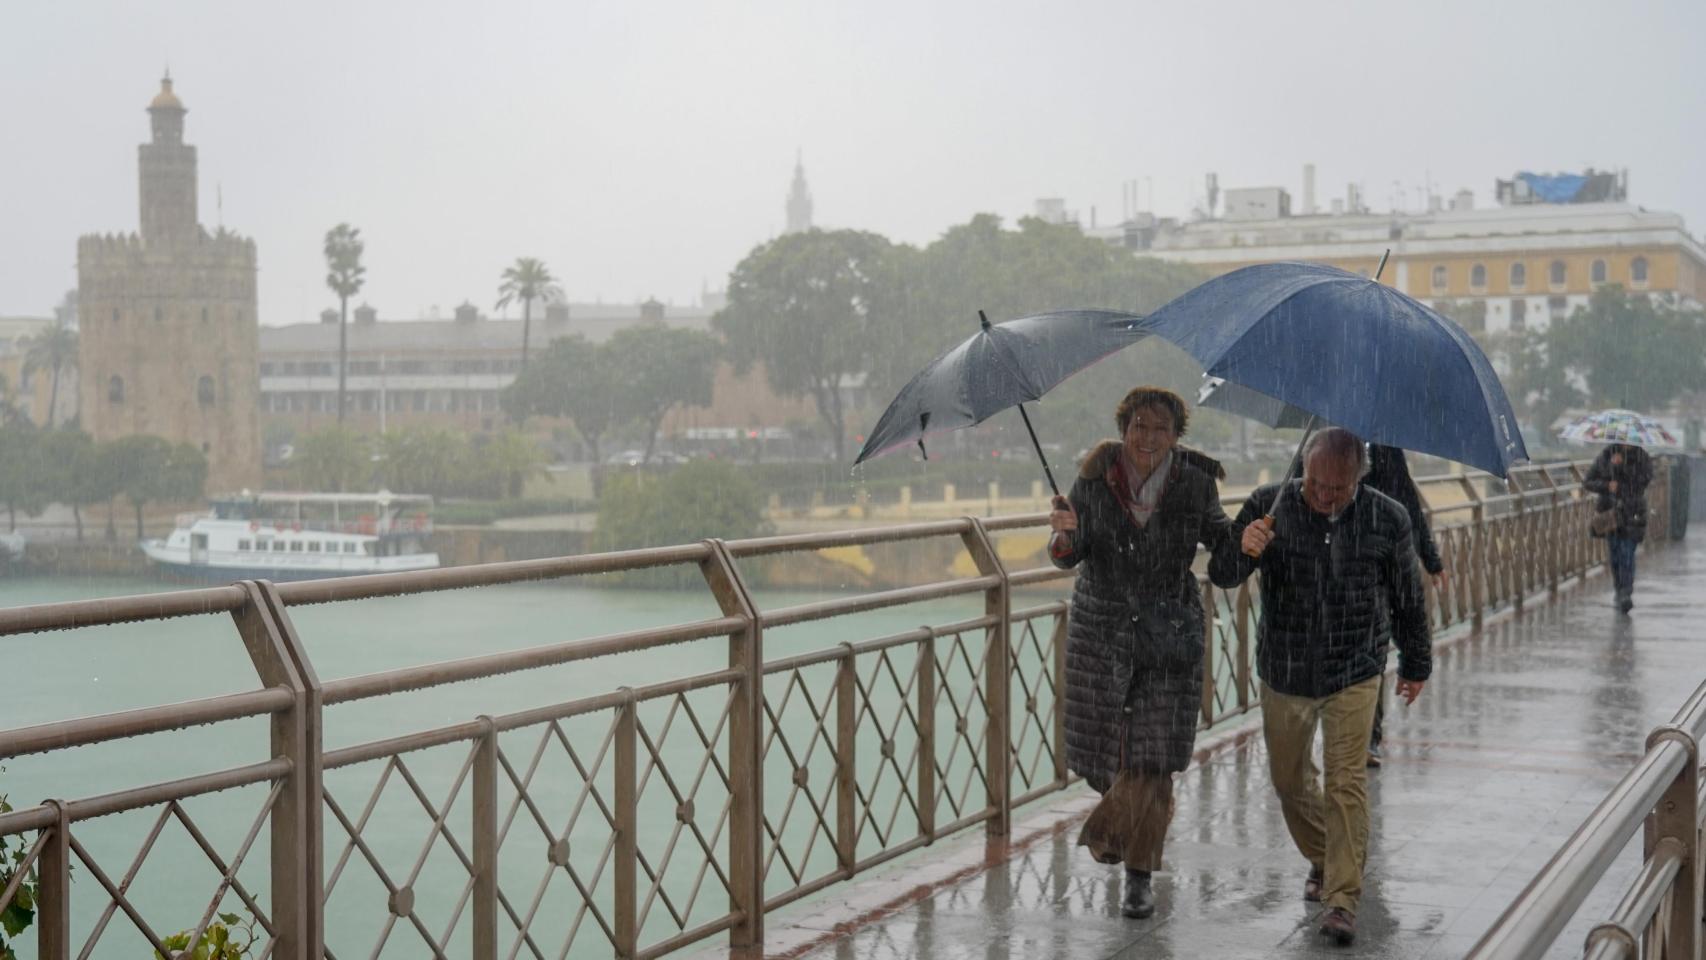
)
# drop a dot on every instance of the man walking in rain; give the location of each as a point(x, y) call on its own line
point(1339, 583)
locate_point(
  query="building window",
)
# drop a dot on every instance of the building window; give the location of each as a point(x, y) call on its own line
point(1596, 273)
point(1478, 276)
point(204, 391)
point(1557, 274)
point(115, 390)
point(1519, 314)
point(1440, 277)
point(1519, 276)
point(1638, 272)
point(1557, 308)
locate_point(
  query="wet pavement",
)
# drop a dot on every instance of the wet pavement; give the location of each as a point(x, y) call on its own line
point(1522, 730)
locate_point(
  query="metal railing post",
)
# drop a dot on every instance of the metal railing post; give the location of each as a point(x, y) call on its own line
point(298, 845)
point(1207, 592)
point(746, 748)
point(626, 893)
point(485, 830)
point(926, 706)
point(1677, 819)
point(1241, 610)
point(998, 767)
point(1521, 552)
point(1057, 650)
point(1553, 535)
point(1474, 573)
point(53, 893)
point(846, 753)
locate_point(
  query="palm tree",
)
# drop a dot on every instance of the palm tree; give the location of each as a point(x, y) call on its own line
point(343, 274)
point(53, 349)
point(527, 281)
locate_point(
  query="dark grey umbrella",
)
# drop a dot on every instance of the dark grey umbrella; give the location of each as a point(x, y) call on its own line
point(1002, 365)
point(1218, 394)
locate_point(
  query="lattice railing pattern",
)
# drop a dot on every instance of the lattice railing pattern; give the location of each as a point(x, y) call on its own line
point(641, 820)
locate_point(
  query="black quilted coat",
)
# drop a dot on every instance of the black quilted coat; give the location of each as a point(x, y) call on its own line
point(1335, 592)
point(1152, 665)
point(1633, 476)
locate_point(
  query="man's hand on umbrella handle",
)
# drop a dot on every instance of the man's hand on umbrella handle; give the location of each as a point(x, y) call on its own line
point(1257, 536)
point(1063, 518)
point(1409, 690)
point(1441, 579)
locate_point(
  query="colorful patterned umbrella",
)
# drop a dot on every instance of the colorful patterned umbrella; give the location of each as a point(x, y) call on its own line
point(1618, 426)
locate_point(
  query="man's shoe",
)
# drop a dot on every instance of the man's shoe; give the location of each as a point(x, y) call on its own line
point(1625, 601)
point(1374, 755)
point(1312, 886)
point(1338, 925)
point(1139, 901)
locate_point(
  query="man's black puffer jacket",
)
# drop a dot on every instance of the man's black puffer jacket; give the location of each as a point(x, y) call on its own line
point(1335, 592)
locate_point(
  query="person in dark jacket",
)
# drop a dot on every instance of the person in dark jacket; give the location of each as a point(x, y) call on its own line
point(1620, 475)
point(1339, 583)
point(1134, 646)
point(1389, 473)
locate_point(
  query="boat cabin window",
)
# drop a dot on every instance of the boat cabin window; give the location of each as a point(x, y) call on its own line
point(278, 546)
point(242, 544)
point(313, 546)
point(351, 546)
point(296, 546)
point(371, 548)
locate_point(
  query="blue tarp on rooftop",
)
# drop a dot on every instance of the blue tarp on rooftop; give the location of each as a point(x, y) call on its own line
point(1554, 188)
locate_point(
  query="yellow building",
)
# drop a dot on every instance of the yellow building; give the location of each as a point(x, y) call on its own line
point(1526, 262)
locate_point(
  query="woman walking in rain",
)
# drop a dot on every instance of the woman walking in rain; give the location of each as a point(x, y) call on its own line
point(1619, 476)
point(1134, 647)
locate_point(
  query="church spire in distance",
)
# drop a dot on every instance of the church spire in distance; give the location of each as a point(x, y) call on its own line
point(799, 200)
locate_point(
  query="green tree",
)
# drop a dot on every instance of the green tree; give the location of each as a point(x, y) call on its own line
point(528, 280)
point(141, 462)
point(569, 379)
point(500, 465)
point(658, 368)
point(80, 472)
point(1035, 268)
point(54, 350)
point(344, 274)
point(334, 459)
point(705, 498)
point(26, 483)
point(1630, 349)
point(1538, 386)
point(815, 309)
point(422, 460)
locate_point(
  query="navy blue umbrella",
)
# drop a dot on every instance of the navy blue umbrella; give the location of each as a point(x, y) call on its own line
point(1352, 352)
point(1001, 366)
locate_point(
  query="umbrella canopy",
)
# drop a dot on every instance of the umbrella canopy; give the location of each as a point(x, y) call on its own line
point(1619, 426)
point(1000, 366)
point(1217, 394)
point(1352, 352)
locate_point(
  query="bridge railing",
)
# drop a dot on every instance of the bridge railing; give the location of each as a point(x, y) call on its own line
point(1660, 915)
point(641, 819)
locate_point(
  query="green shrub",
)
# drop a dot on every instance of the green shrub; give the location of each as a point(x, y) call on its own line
point(705, 498)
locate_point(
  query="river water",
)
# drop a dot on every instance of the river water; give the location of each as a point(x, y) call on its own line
point(65, 674)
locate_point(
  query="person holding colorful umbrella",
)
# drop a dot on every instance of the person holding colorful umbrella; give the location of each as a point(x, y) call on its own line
point(1619, 477)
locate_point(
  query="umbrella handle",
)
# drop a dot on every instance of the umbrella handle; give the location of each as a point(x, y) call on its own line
point(1268, 522)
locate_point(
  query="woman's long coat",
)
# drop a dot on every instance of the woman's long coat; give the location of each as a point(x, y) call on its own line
point(1118, 654)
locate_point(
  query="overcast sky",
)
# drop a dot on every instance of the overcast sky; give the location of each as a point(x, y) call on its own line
point(642, 148)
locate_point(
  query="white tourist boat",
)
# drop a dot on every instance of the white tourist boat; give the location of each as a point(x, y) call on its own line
point(299, 536)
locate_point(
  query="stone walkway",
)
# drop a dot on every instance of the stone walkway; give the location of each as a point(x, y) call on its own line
point(1522, 731)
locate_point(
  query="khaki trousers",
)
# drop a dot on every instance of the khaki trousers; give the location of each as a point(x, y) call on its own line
point(1130, 824)
point(1330, 829)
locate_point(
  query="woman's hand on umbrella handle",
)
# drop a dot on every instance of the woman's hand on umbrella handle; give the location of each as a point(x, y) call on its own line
point(1613, 486)
point(1063, 519)
point(1257, 536)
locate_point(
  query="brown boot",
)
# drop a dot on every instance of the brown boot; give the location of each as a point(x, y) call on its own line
point(1339, 925)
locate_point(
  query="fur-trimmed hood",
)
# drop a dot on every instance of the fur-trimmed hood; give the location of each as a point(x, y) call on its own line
point(1102, 456)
